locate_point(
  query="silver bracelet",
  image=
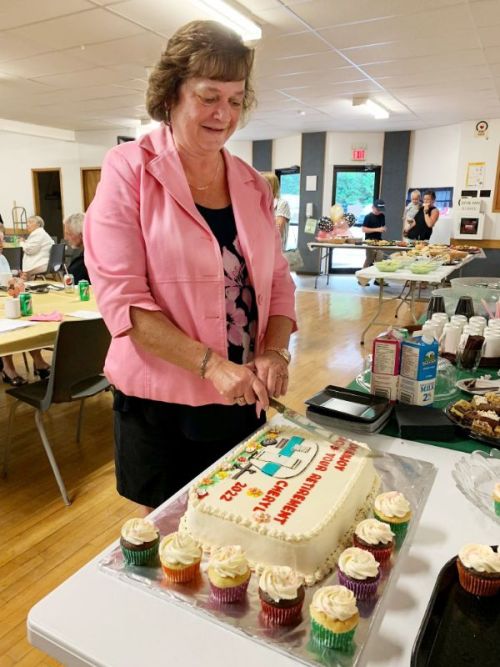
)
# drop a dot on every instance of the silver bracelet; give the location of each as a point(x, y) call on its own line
point(204, 362)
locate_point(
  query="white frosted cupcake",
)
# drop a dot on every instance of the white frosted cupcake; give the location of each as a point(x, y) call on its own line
point(281, 592)
point(359, 572)
point(393, 508)
point(180, 557)
point(228, 574)
point(376, 537)
point(479, 569)
point(334, 617)
point(139, 542)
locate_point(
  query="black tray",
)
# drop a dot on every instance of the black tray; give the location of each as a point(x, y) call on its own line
point(458, 629)
point(466, 430)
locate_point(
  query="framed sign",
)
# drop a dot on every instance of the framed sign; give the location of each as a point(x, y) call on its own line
point(475, 174)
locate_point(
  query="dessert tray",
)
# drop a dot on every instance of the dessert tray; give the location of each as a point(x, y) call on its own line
point(411, 476)
point(492, 442)
point(458, 629)
point(475, 476)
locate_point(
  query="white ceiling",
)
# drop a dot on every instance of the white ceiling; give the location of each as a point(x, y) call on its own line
point(81, 64)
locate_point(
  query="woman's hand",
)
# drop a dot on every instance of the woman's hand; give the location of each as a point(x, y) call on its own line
point(236, 383)
point(272, 370)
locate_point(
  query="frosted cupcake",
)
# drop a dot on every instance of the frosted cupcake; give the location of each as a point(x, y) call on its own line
point(359, 572)
point(228, 574)
point(334, 617)
point(139, 542)
point(393, 508)
point(180, 557)
point(281, 593)
point(376, 537)
point(496, 498)
point(479, 569)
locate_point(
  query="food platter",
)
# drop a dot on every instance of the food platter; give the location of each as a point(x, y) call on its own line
point(492, 442)
point(475, 476)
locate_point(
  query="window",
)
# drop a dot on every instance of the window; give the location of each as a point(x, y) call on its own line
point(444, 198)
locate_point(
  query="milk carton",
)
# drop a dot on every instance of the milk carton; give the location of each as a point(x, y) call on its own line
point(386, 360)
point(417, 381)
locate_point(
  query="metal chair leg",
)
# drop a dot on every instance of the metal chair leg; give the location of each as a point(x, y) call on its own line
point(80, 420)
point(6, 450)
point(50, 456)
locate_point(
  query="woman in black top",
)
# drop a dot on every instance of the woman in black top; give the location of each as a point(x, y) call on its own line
point(421, 228)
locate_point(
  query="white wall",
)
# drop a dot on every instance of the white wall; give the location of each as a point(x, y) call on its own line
point(287, 151)
point(242, 149)
point(338, 151)
point(92, 146)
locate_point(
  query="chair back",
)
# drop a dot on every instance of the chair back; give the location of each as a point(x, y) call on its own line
point(56, 258)
point(78, 360)
point(15, 258)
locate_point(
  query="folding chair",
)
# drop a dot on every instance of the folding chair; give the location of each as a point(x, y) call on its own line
point(76, 374)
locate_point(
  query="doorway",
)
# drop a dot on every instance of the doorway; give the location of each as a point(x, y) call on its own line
point(48, 200)
point(354, 188)
point(290, 190)
point(90, 178)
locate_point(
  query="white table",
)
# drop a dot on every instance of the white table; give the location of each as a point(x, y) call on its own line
point(326, 251)
point(95, 619)
point(406, 276)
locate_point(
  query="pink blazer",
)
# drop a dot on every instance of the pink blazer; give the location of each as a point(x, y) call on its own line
point(147, 245)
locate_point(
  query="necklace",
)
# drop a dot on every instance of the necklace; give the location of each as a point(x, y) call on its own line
point(205, 187)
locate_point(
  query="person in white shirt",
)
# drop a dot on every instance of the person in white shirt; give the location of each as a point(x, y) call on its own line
point(36, 248)
point(281, 207)
point(7, 368)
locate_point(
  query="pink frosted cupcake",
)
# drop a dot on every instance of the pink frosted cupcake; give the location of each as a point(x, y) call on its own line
point(180, 557)
point(359, 572)
point(479, 569)
point(228, 574)
point(281, 593)
point(376, 537)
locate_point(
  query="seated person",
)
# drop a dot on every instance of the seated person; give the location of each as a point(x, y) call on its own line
point(73, 235)
point(7, 368)
point(36, 248)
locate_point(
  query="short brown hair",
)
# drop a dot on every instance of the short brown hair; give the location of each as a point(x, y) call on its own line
point(199, 49)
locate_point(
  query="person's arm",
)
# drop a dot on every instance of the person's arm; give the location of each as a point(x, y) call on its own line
point(281, 223)
point(431, 218)
point(369, 230)
point(271, 366)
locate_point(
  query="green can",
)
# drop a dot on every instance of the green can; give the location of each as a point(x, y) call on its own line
point(84, 290)
point(26, 304)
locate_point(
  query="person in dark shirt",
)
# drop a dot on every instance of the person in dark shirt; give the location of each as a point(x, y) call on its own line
point(373, 227)
point(73, 235)
point(421, 227)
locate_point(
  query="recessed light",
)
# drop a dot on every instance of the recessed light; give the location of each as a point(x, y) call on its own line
point(301, 112)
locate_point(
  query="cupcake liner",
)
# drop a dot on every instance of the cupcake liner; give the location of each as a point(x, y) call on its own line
point(144, 557)
point(230, 594)
point(381, 554)
point(338, 640)
point(181, 575)
point(497, 507)
point(281, 615)
point(399, 529)
point(472, 583)
point(363, 590)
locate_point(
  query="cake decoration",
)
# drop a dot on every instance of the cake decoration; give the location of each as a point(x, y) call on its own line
point(313, 493)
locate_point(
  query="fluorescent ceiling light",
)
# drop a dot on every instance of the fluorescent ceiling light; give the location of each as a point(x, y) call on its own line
point(376, 110)
point(230, 17)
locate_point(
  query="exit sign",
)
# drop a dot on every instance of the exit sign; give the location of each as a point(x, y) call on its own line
point(358, 154)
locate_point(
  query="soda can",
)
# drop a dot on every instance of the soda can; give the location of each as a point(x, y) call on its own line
point(84, 290)
point(69, 282)
point(26, 304)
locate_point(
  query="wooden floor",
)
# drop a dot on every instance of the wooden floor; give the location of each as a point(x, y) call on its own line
point(43, 542)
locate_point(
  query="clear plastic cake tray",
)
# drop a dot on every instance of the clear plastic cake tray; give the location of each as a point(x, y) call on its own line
point(412, 477)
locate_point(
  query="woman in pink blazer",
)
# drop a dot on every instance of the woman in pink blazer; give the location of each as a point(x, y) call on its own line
point(186, 264)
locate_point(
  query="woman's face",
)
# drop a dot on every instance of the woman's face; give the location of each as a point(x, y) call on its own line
point(31, 225)
point(206, 114)
point(428, 200)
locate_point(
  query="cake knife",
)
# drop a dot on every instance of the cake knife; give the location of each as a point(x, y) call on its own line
point(308, 425)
